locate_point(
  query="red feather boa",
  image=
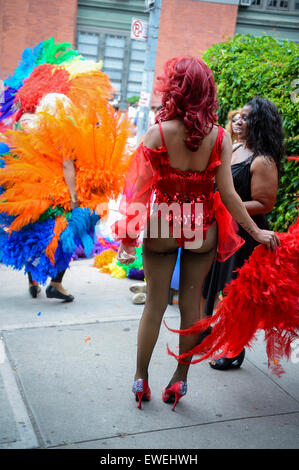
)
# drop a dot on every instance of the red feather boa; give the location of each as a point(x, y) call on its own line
point(265, 296)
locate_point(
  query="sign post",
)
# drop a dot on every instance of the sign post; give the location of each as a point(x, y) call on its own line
point(149, 68)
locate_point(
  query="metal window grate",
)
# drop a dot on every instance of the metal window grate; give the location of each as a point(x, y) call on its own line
point(87, 45)
point(114, 53)
point(123, 59)
point(136, 64)
point(278, 4)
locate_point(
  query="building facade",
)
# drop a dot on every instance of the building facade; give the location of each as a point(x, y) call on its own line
point(186, 27)
point(192, 26)
point(103, 33)
point(25, 23)
point(277, 18)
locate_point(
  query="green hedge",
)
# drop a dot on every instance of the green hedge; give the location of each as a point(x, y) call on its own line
point(248, 66)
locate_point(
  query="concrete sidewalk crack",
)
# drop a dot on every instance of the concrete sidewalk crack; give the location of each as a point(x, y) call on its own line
point(172, 428)
point(18, 400)
point(273, 381)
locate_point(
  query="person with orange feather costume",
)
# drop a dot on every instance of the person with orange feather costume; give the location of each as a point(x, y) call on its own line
point(28, 121)
point(57, 173)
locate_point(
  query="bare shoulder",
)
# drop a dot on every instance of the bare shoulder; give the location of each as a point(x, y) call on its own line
point(262, 164)
point(173, 127)
point(152, 138)
point(227, 136)
point(227, 141)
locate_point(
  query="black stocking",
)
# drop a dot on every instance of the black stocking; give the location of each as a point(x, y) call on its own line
point(57, 278)
point(158, 269)
point(159, 258)
point(194, 268)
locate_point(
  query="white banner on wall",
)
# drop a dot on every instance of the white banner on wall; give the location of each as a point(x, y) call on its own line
point(145, 99)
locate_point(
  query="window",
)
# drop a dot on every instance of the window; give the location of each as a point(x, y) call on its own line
point(136, 67)
point(278, 4)
point(87, 45)
point(114, 53)
point(123, 58)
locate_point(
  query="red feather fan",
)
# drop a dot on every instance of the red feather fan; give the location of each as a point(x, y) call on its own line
point(264, 296)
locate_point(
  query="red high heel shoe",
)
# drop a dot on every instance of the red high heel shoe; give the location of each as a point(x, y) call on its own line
point(174, 393)
point(141, 391)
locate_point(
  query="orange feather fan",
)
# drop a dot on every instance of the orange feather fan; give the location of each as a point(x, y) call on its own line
point(89, 86)
point(96, 140)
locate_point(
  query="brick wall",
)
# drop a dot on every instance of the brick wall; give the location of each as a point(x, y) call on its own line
point(25, 23)
point(191, 27)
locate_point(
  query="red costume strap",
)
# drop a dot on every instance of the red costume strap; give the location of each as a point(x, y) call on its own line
point(216, 152)
point(161, 132)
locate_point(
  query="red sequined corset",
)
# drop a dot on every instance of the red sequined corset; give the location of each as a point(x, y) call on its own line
point(150, 175)
point(176, 186)
point(173, 185)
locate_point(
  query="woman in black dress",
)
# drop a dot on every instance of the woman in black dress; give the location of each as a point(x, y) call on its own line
point(255, 170)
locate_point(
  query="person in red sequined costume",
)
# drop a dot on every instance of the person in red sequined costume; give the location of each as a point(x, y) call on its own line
point(175, 166)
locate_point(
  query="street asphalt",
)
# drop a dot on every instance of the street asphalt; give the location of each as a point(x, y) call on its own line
point(66, 372)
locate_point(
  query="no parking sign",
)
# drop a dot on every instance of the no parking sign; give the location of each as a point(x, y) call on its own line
point(139, 29)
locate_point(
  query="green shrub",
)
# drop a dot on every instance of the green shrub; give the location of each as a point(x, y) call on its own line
point(248, 66)
point(133, 99)
point(285, 211)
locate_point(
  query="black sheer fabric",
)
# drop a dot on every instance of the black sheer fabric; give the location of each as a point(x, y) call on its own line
point(222, 273)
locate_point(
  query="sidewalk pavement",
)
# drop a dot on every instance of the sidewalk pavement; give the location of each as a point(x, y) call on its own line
point(66, 371)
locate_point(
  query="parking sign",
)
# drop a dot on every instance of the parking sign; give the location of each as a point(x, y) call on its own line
point(139, 29)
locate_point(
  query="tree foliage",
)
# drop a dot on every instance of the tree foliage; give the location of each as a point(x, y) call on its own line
point(246, 66)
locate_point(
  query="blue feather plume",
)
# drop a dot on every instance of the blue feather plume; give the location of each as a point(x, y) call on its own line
point(25, 67)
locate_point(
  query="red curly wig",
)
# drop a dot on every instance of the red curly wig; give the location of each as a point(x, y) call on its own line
point(188, 92)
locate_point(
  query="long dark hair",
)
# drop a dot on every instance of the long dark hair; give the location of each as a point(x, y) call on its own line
point(265, 133)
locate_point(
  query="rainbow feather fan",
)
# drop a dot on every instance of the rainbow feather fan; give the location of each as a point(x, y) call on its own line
point(39, 232)
point(61, 56)
point(36, 249)
point(33, 179)
point(33, 176)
